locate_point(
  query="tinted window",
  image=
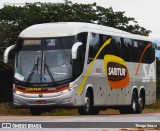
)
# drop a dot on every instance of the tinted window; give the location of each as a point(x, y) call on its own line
point(82, 37)
point(94, 45)
point(149, 55)
point(128, 49)
point(103, 39)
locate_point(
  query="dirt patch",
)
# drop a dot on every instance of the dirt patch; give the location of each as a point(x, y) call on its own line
point(151, 111)
point(15, 112)
point(25, 112)
point(116, 112)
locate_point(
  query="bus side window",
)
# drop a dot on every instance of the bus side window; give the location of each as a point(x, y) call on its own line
point(112, 48)
point(115, 46)
point(82, 37)
point(149, 54)
point(93, 46)
point(106, 50)
point(142, 45)
point(137, 51)
point(127, 49)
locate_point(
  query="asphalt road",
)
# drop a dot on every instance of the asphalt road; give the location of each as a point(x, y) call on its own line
point(86, 123)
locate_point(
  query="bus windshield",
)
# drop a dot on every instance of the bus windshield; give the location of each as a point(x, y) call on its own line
point(44, 60)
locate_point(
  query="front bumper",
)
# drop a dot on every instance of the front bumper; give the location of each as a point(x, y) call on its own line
point(58, 99)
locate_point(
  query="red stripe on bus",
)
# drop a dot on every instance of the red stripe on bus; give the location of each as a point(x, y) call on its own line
point(42, 92)
point(141, 58)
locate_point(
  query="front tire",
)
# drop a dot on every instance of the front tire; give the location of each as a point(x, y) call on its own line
point(88, 108)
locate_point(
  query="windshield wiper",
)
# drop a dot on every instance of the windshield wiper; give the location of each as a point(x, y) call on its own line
point(36, 66)
point(48, 70)
point(37, 63)
point(32, 71)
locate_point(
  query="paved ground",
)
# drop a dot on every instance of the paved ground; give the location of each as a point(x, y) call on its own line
point(89, 123)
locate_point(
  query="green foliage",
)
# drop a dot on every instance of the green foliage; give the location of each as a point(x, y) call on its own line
point(14, 19)
point(6, 82)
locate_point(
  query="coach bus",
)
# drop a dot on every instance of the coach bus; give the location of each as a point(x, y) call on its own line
point(81, 65)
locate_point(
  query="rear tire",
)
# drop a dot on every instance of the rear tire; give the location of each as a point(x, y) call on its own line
point(140, 103)
point(35, 111)
point(133, 108)
point(134, 103)
point(88, 108)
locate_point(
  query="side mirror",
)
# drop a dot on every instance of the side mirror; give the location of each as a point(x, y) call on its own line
point(6, 53)
point(75, 49)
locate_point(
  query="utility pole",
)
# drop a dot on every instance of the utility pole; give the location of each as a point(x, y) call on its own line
point(66, 2)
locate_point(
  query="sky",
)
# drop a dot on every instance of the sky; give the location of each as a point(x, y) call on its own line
point(145, 12)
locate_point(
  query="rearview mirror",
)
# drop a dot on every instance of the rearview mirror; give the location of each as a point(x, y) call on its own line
point(6, 53)
point(75, 49)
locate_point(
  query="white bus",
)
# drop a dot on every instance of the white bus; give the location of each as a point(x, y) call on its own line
point(85, 66)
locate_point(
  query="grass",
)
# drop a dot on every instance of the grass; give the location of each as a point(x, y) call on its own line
point(156, 105)
point(71, 112)
point(63, 112)
point(15, 112)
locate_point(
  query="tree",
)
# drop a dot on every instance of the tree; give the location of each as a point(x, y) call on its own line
point(14, 19)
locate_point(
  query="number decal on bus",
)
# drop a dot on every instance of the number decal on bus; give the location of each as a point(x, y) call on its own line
point(149, 73)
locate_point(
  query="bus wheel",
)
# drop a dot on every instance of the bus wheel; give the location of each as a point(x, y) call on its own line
point(132, 109)
point(140, 103)
point(85, 110)
point(134, 103)
point(88, 108)
point(35, 111)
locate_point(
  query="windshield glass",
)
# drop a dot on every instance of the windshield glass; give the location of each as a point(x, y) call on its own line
point(44, 61)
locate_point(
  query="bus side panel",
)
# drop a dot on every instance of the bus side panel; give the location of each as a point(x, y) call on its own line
point(124, 94)
point(78, 98)
point(96, 81)
point(150, 93)
point(149, 79)
point(103, 94)
point(146, 78)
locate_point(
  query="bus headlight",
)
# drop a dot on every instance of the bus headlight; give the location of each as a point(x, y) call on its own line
point(64, 91)
point(17, 92)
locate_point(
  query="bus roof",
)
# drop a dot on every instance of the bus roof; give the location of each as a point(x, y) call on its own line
point(61, 29)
